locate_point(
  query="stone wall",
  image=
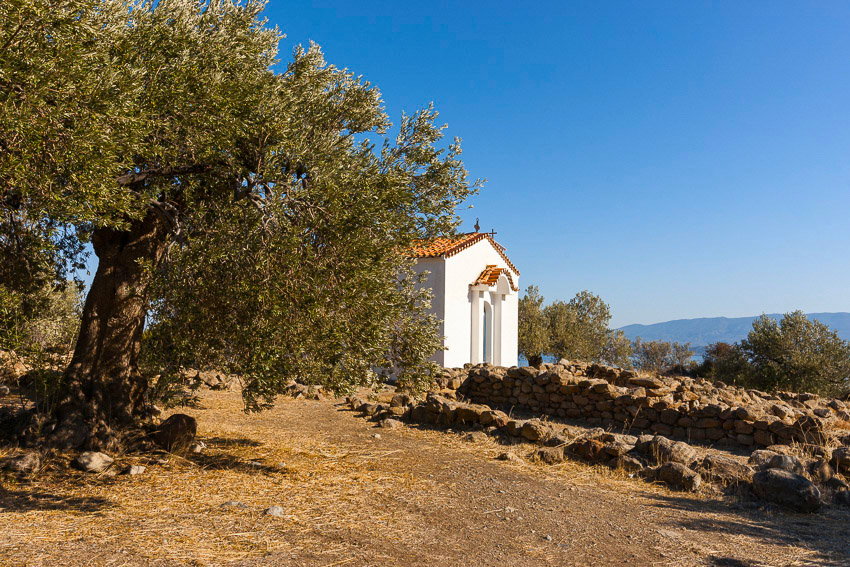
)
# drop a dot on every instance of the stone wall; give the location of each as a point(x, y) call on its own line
point(681, 407)
point(799, 477)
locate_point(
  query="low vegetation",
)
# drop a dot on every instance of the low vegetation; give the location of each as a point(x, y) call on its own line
point(578, 330)
point(795, 353)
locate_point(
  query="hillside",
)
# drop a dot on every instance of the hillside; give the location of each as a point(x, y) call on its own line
point(704, 331)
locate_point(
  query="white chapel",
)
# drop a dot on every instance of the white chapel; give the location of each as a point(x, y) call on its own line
point(474, 287)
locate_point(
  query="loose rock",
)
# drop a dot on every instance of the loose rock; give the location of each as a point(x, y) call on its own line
point(275, 511)
point(550, 455)
point(510, 457)
point(390, 424)
point(27, 463)
point(841, 459)
point(678, 475)
point(92, 461)
point(666, 451)
point(726, 470)
point(786, 463)
point(841, 498)
point(762, 457)
point(176, 433)
point(476, 437)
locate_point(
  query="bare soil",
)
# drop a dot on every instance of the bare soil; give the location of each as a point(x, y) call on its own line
point(410, 497)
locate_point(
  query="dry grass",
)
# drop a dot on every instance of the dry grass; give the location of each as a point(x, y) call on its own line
point(173, 511)
point(416, 496)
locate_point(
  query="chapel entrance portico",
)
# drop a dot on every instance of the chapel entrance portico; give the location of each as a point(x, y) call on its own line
point(486, 309)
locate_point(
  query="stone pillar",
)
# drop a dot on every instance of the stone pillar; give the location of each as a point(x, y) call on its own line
point(497, 327)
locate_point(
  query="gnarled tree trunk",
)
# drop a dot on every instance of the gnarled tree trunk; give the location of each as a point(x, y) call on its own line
point(103, 391)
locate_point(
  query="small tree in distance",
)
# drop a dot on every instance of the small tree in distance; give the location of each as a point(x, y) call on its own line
point(533, 329)
point(661, 356)
point(578, 330)
point(618, 350)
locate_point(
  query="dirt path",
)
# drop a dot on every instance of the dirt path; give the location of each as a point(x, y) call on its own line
point(410, 497)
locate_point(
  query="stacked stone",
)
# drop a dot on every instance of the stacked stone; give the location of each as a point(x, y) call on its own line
point(680, 407)
point(451, 378)
point(776, 477)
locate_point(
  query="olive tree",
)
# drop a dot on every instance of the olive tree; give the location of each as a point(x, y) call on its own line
point(796, 354)
point(618, 349)
point(578, 330)
point(532, 328)
point(251, 207)
point(661, 356)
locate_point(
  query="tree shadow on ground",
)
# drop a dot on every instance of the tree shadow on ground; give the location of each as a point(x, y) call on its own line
point(823, 533)
point(231, 442)
point(24, 501)
point(219, 461)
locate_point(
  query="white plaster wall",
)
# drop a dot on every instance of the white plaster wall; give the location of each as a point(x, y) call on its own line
point(437, 282)
point(460, 271)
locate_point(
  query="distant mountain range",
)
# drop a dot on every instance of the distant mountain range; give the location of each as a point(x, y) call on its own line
point(704, 331)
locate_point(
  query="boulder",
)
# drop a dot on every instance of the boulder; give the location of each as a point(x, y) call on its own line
point(726, 470)
point(135, 470)
point(787, 489)
point(92, 461)
point(176, 433)
point(678, 475)
point(71, 434)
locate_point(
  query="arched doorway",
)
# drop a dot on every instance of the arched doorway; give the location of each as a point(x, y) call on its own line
point(487, 333)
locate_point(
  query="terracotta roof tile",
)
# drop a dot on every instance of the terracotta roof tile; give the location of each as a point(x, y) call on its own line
point(491, 274)
point(447, 246)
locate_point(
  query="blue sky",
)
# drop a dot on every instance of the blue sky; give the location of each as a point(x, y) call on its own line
point(680, 159)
